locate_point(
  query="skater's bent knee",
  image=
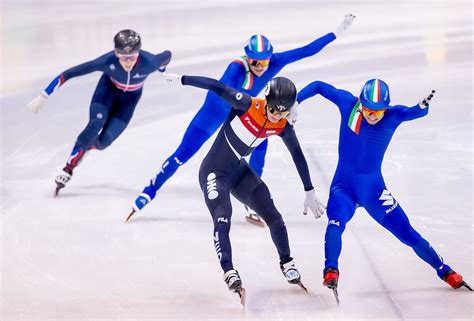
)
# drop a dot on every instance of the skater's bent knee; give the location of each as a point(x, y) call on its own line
point(274, 219)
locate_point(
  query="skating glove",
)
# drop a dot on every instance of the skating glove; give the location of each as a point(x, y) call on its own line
point(346, 23)
point(172, 80)
point(313, 202)
point(292, 117)
point(36, 104)
point(425, 101)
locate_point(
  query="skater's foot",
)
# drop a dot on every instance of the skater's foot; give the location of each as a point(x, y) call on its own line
point(62, 180)
point(331, 277)
point(142, 200)
point(455, 280)
point(291, 274)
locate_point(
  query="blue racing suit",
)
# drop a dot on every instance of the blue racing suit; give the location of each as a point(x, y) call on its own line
point(358, 180)
point(215, 110)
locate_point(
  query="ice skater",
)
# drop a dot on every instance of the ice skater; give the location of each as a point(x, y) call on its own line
point(115, 98)
point(224, 171)
point(248, 74)
point(368, 123)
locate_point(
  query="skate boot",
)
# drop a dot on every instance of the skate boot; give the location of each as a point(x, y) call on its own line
point(143, 199)
point(455, 280)
point(62, 179)
point(253, 217)
point(234, 284)
point(331, 278)
point(291, 274)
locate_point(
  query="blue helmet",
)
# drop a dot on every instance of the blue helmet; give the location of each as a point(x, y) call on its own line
point(258, 47)
point(375, 94)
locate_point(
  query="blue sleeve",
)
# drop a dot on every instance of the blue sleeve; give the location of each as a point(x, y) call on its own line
point(339, 97)
point(97, 64)
point(309, 50)
point(79, 70)
point(403, 113)
point(162, 60)
point(237, 99)
point(291, 142)
point(233, 75)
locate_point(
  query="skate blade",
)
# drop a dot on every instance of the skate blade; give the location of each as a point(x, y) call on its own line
point(130, 215)
point(303, 287)
point(257, 222)
point(300, 284)
point(333, 287)
point(464, 284)
point(336, 295)
point(58, 188)
point(242, 295)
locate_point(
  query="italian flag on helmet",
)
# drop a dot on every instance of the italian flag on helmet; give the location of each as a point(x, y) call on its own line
point(375, 94)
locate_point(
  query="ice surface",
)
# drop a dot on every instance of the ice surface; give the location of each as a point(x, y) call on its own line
point(73, 258)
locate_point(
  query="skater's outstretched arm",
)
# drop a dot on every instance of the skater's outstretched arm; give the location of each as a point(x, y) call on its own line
point(238, 100)
point(421, 109)
point(337, 96)
point(290, 56)
point(79, 70)
point(314, 47)
point(162, 60)
point(76, 71)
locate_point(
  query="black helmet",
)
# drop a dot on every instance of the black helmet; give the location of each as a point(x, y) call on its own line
point(127, 41)
point(280, 94)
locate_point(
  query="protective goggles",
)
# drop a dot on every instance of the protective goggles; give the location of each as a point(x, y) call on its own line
point(276, 112)
point(132, 57)
point(259, 63)
point(376, 113)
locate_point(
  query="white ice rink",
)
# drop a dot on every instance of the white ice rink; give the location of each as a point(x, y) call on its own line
point(73, 258)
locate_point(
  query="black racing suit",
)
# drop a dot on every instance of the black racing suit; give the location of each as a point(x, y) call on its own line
point(224, 171)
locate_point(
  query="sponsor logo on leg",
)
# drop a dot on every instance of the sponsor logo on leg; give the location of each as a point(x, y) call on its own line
point(217, 246)
point(333, 222)
point(165, 164)
point(212, 186)
point(223, 220)
point(388, 200)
